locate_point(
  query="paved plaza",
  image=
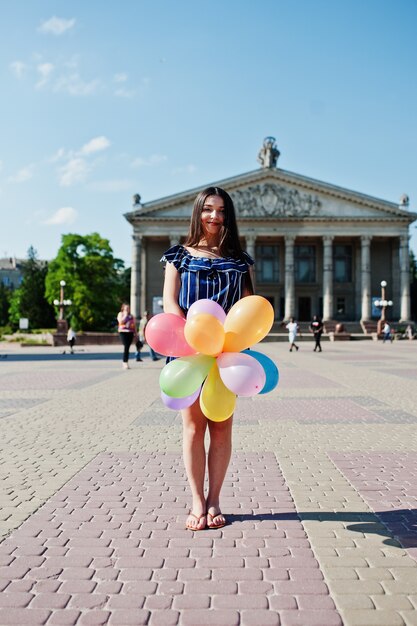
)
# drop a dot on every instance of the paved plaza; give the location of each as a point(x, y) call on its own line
point(321, 494)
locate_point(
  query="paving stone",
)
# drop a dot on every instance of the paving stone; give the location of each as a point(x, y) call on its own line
point(352, 601)
point(372, 618)
point(310, 618)
point(15, 600)
point(32, 617)
point(255, 618)
point(197, 617)
point(164, 618)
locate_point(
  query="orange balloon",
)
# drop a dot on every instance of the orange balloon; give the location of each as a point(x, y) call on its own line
point(216, 401)
point(204, 333)
point(248, 321)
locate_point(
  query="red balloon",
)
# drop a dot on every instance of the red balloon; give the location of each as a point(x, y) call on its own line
point(165, 334)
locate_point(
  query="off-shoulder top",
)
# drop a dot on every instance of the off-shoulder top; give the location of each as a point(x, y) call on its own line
point(219, 279)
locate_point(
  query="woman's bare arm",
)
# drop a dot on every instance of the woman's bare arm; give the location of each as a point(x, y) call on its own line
point(246, 291)
point(172, 285)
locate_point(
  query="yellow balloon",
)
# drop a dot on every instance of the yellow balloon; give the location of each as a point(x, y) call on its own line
point(216, 401)
point(248, 321)
point(204, 333)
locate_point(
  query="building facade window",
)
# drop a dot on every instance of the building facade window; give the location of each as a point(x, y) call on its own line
point(342, 264)
point(267, 264)
point(341, 306)
point(305, 264)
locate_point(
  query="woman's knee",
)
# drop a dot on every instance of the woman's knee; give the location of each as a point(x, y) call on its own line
point(221, 432)
point(194, 426)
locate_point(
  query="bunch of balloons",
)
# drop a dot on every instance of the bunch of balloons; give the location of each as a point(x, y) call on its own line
point(213, 361)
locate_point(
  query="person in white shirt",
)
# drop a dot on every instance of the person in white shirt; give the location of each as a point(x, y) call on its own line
point(71, 336)
point(386, 331)
point(292, 328)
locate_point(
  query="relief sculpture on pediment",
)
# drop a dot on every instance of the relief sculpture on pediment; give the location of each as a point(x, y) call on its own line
point(267, 199)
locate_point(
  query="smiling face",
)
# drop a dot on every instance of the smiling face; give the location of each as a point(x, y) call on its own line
point(212, 216)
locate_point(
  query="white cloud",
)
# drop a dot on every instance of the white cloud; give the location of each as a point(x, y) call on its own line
point(75, 171)
point(64, 215)
point(125, 93)
point(24, 174)
point(44, 69)
point(18, 68)
point(112, 185)
point(154, 159)
point(59, 154)
point(95, 145)
point(120, 78)
point(186, 169)
point(74, 85)
point(56, 25)
point(77, 164)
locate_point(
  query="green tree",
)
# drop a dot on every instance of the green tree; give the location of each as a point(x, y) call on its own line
point(29, 299)
point(5, 297)
point(94, 280)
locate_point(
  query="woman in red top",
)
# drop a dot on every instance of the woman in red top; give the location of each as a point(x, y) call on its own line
point(127, 331)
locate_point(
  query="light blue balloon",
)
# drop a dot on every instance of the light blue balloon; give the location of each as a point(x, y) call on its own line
point(271, 370)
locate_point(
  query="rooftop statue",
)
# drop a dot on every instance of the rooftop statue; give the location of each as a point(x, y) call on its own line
point(269, 153)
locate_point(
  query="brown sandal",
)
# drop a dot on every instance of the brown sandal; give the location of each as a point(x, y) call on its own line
point(213, 517)
point(198, 518)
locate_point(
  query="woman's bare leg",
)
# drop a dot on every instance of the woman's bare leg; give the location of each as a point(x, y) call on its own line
point(219, 454)
point(194, 428)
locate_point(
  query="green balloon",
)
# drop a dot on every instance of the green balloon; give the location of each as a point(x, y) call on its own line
point(183, 376)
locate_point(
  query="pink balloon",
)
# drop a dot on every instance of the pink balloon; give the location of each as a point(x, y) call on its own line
point(165, 334)
point(207, 306)
point(180, 403)
point(241, 373)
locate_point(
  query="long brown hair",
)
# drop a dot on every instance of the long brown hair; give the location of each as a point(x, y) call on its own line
point(229, 244)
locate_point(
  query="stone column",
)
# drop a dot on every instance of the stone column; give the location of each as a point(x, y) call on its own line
point(250, 241)
point(135, 280)
point(327, 277)
point(143, 271)
point(366, 277)
point(404, 279)
point(289, 277)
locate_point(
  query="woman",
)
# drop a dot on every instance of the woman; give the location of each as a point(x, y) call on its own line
point(316, 327)
point(211, 264)
point(127, 331)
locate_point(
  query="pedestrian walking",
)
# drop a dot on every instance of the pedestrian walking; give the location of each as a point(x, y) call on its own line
point(210, 264)
point(127, 331)
point(386, 333)
point(293, 329)
point(316, 327)
point(71, 337)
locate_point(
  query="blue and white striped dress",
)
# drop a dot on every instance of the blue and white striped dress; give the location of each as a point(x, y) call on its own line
point(221, 280)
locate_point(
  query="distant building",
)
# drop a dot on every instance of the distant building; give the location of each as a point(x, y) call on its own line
point(318, 248)
point(11, 272)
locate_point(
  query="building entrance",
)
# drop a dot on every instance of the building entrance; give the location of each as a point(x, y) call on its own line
point(304, 309)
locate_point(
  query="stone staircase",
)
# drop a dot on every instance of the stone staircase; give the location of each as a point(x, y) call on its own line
point(369, 327)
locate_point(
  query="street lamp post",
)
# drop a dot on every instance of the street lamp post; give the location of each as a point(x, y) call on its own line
point(62, 325)
point(382, 304)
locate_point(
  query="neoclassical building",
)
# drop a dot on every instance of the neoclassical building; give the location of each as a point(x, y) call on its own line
point(319, 249)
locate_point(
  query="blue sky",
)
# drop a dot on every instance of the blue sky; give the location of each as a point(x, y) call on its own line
point(101, 100)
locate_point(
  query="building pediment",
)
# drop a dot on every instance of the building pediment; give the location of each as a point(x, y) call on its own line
point(277, 194)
